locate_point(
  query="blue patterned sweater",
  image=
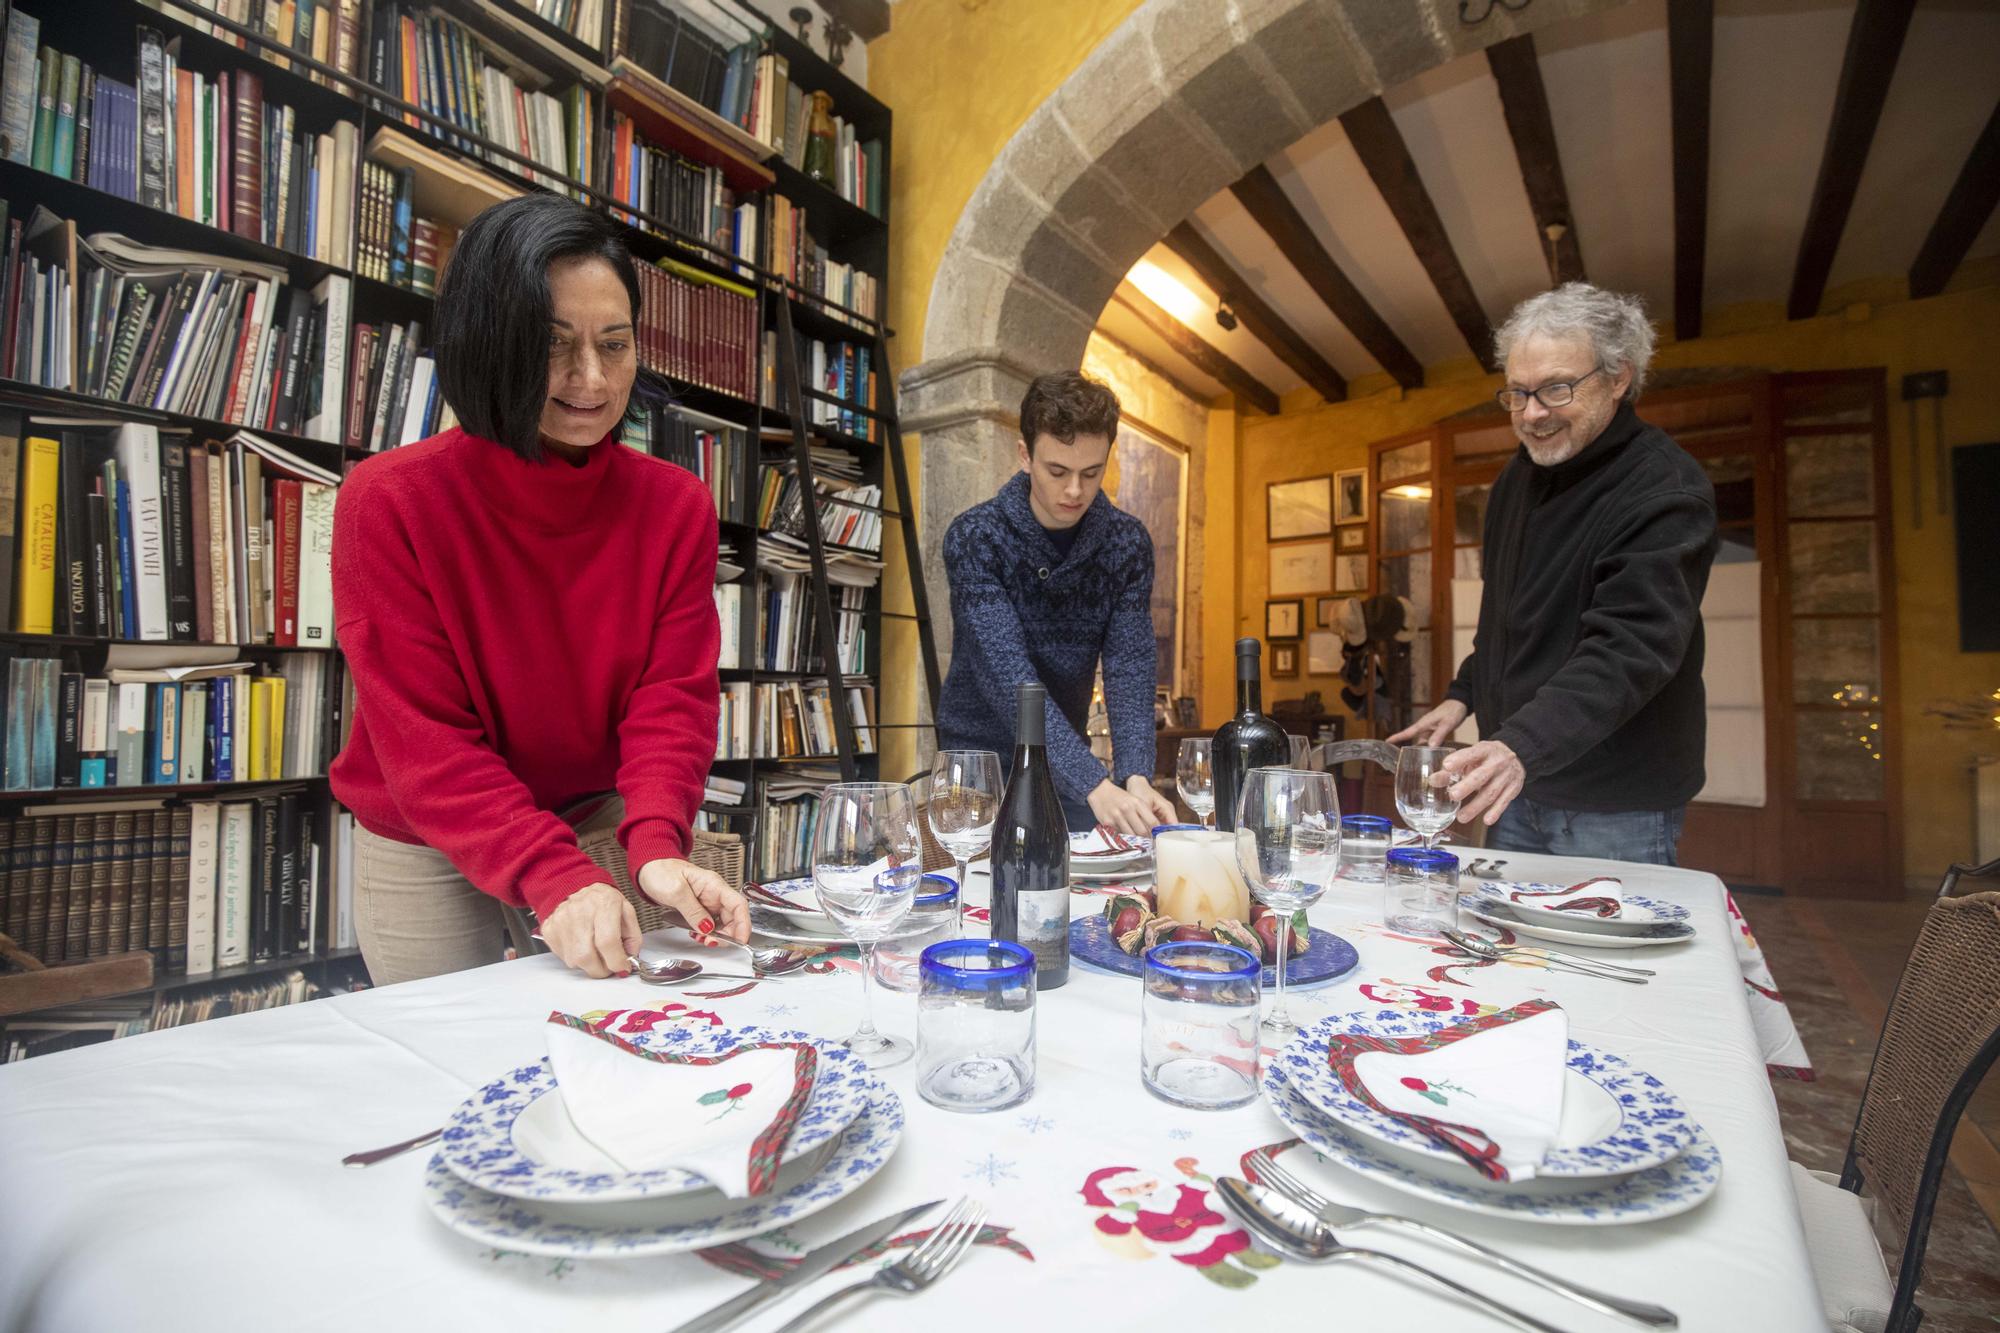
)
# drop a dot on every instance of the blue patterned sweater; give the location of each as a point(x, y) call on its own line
point(1020, 612)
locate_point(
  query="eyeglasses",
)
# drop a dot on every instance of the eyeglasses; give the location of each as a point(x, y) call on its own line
point(1559, 394)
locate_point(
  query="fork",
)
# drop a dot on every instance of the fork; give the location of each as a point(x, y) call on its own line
point(1479, 943)
point(1339, 1216)
point(915, 1271)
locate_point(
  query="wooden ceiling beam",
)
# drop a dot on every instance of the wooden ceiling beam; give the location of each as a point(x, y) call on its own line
point(1874, 41)
point(1268, 205)
point(1264, 323)
point(1525, 103)
point(1152, 365)
point(1971, 201)
point(1201, 355)
point(1690, 60)
point(1372, 131)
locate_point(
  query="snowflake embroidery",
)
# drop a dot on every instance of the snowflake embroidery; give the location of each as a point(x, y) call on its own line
point(1037, 1124)
point(1182, 1134)
point(781, 1010)
point(1435, 1090)
point(992, 1170)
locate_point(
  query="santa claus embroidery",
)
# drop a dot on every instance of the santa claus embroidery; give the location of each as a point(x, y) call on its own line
point(1144, 1215)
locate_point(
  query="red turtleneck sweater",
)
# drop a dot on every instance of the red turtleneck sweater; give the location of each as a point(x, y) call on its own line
point(522, 635)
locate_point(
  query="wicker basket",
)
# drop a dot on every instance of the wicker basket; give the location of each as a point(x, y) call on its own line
point(596, 822)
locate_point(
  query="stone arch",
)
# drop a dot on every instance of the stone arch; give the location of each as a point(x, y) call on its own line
point(1181, 99)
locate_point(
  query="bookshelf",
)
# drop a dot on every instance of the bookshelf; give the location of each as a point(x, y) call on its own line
point(836, 253)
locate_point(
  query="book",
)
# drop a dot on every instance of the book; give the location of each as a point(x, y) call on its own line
point(236, 854)
point(10, 471)
point(137, 447)
point(35, 565)
point(204, 867)
point(19, 80)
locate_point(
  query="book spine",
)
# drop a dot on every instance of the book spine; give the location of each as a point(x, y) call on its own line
point(287, 497)
point(201, 840)
point(35, 568)
point(121, 917)
point(69, 729)
point(152, 119)
point(41, 864)
point(18, 88)
point(159, 887)
point(90, 903)
point(264, 892)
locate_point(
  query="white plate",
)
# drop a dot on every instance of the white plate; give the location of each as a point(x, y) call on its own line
point(514, 1137)
point(1639, 915)
point(1085, 853)
point(1644, 1196)
point(1671, 932)
point(669, 1226)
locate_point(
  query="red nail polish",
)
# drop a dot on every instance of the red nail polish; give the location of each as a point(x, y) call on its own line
point(625, 973)
point(706, 925)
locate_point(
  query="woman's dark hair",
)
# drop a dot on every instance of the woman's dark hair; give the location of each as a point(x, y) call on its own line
point(494, 312)
point(1068, 404)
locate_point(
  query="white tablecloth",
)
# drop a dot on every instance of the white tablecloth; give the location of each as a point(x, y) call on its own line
point(190, 1179)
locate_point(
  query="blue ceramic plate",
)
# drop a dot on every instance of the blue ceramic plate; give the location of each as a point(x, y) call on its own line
point(1327, 957)
point(1616, 1119)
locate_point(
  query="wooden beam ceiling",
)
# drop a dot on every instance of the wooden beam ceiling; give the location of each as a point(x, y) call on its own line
point(1372, 131)
point(1874, 40)
point(1690, 60)
point(1152, 365)
point(1204, 357)
point(1264, 323)
point(1971, 201)
point(1525, 102)
point(1260, 194)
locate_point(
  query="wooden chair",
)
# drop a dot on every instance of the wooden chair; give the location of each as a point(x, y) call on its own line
point(1941, 1036)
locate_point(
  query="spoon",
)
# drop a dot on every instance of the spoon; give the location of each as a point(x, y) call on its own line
point(1298, 1235)
point(1481, 948)
point(674, 973)
point(770, 962)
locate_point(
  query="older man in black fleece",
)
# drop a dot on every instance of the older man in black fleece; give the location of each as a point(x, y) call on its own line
point(1585, 673)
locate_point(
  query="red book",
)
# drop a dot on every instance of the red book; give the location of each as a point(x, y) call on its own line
point(204, 600)
point(246, 158)
point(285, 536)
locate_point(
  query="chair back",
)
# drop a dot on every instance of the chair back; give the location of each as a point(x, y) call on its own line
point(935, 857)
point(1941, 1035)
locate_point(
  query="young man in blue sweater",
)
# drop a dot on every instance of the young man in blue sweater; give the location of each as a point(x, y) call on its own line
point(1048, 577)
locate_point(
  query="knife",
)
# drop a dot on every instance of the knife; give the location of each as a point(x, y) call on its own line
point(816, 1263)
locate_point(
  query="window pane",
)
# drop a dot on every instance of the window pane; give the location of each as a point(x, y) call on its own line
point(1412, 460)
point(1833, 567)
point(1836, 661)
point(1839, 755)
point(1466, 563)
point(1826, 402)
point(1827, 476)
point(1734, 477)
point(1420, 671)
point(1468, 507)
point(1406, 521)
point(1486, 443)
point(1410, 576)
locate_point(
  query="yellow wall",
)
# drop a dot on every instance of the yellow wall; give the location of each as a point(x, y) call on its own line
point(1953, 332)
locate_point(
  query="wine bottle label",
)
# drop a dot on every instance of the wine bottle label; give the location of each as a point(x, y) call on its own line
point(1042, 925)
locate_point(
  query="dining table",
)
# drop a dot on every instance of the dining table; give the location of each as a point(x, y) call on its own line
point(191, 1178)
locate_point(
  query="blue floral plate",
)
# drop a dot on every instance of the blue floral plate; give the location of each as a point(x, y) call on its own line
point(514, 1138)
point(669, 1226)
point(1615, 1119)
point(1326, 958)
point(1644, 1196)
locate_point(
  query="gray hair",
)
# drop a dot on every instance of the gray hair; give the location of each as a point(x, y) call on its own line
point(1613, 324)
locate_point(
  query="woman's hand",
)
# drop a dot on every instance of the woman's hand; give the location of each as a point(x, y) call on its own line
point(704, 900)
point(593, 930)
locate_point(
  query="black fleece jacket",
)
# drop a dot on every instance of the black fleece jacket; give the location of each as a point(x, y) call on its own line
point(1587, 660)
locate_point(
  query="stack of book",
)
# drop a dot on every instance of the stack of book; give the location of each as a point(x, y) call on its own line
point(790, 802)
point(130, 531)
point(689, 196)
point(697, 328)
point(392, 389)
point(795, 719)
point(849, 516)
point(710, 448)
point(394, 245)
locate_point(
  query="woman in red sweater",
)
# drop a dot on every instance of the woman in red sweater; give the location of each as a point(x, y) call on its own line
point(527, 612)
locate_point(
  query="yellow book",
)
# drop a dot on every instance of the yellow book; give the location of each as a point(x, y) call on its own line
point(274, 729)
point(35, 586)
point(260, 723)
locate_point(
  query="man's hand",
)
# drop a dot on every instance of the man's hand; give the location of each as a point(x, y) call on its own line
point(593, 930)
point(704, 900)
point(1126, 810)
point(1162, 809)
point(1486, 778)
point(1434, 727)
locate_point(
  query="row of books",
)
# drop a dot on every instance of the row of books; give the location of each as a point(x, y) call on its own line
point(202, 884)
point(838, 369)
point(788, 626)
point(795, 719)
point(712, 449)
point(581, 19)
point(697, 328)
point(689, 196)
point(136, 726)
point(392, 389)
point(705, 53)
point(732, 726)
point(329, 31)
point(128, 530)
point(394, 245)
point(780, 113)
point(729, 611)
point(790, 805)
point(796, 256)
point(849, 516)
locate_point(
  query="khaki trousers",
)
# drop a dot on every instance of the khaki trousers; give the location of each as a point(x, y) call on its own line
point(417, 917)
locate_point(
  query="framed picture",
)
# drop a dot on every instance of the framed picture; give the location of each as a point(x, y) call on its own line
point(1350, 496)
point(1284, 659)
point(1323, 611)
point(1295, 509)
point(1350, 574)
point(1281, 619)
point(1322, 653)
point(1301, 569)
point(1351, 539)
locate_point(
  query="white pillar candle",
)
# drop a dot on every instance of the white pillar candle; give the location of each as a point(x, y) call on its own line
point(1198, 879)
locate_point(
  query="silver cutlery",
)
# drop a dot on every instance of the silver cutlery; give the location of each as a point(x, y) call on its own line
point(683, 970)
point(1488, 948)
point(813, 1264)
point(1341, 1217)
point(1294, 1233)
point(770, 962)
point(374, 1155)
point(918, 1269)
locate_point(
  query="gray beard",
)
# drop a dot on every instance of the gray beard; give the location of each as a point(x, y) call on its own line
point(1550, 455)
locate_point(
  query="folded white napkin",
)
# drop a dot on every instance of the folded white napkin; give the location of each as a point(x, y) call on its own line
point(1602, 897)
point(1490, 1089)
point(725, 1117)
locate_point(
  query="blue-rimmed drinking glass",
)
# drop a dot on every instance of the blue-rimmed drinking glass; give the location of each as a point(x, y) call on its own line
point(976, 1025)
point(1198, 1024)
point(934, 916)
point(1420, 891)
point(1364, 842)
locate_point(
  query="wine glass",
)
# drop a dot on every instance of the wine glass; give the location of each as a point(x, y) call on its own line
point(965, 797)
point(1195, 776)
point(1427, 804)
point(1301, 750)
point(866, 864)
point(1288, 843)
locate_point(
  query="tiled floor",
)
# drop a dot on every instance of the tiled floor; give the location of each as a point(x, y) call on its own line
point(1837, 964)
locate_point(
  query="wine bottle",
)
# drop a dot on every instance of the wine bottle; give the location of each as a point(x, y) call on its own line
point(1248, 740)
point(1031, 849)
